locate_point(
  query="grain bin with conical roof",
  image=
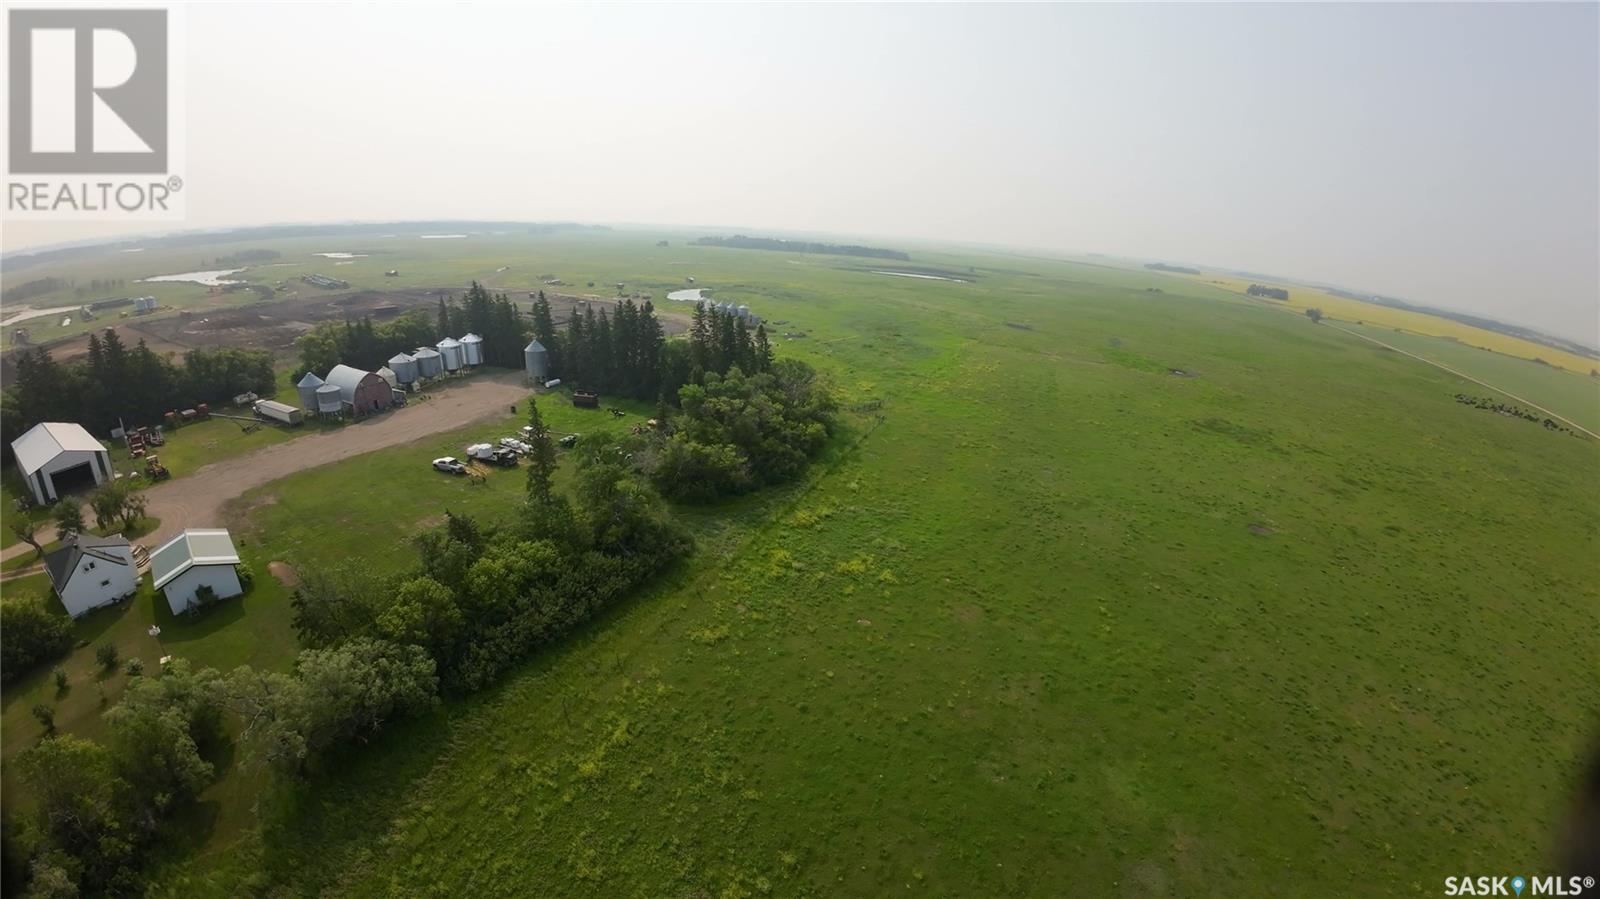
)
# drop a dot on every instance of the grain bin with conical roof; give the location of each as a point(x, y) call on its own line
point(308, 391)
point(404, 368)
point(429, 365)
point(329, 400)
point(450, 351)
point(536, 361)
point(472, 349)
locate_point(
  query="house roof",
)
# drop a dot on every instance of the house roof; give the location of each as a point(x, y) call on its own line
point(195, 546)
point(46, 440)
point(62, 562)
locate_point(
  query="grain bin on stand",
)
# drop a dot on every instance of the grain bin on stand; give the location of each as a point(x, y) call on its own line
point(450, 351)
point(328, 400)
point(472, 349)
point(535, 361)
point(404, 368)
point(429, 365)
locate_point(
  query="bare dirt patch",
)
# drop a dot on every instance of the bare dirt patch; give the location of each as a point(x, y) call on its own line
point(285, 573)
point(1262, 530)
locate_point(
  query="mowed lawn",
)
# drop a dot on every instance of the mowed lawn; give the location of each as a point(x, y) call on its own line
point(1118, 591)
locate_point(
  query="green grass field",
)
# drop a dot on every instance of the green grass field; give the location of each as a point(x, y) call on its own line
point(1053, 620)
point(1574, 396)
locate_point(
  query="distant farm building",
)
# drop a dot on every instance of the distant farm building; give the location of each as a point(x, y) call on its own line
point(196, 558)
point(59, 457)
point(90, 572)
point(361, 391)
point(325, 282)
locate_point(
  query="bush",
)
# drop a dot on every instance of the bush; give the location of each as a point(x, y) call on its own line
point(106, 655)
point(134, 667)
point(247, 575)
point(60, 676)
point(30, 633)
point(46, 716)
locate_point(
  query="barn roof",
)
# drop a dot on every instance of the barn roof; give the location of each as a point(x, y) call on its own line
point(347, 379)
point(46, 440)
point(63, 562)
point(195, 546)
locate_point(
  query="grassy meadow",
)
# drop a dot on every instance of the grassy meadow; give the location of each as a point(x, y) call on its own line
point(1099, 590)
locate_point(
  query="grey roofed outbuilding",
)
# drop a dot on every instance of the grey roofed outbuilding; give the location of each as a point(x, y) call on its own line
point(46, 440)
point(347, 379)
point(195, 546)
point(62, 562)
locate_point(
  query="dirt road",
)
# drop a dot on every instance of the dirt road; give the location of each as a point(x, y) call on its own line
point(1461, 374)
point(196, 500)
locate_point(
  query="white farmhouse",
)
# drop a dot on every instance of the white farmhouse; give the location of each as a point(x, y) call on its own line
point(198, 557)
point(57, 457)
point(90, 572)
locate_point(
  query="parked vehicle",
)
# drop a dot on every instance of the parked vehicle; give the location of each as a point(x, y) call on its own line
point(154, 468)
point(450, 465)
point(493, 455)
point(515, 445)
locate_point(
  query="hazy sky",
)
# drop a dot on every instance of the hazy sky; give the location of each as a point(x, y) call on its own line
point(1445, 153)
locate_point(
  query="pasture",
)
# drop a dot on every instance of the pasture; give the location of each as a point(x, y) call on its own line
point(1099, 590)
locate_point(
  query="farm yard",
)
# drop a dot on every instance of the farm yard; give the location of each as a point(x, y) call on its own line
point(1159, 593)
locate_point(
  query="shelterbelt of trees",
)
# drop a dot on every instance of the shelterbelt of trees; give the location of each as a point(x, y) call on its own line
point(367, 345)
point(477, 601)
point(134, 385)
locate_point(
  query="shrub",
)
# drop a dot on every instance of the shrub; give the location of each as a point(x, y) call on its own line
point(106, 655)
point(247, 575)
point(134, 667)
point(60, 676)
point(30, 633)
point(46, 716)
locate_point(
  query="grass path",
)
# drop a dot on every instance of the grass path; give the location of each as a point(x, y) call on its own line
point(1460, 374)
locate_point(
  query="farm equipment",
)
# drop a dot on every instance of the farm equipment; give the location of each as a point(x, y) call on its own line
point(483, 452)
point(154, 469)
point(617, 413)
point(568, 441)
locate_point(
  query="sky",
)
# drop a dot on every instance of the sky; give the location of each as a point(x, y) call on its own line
point(1447, 154)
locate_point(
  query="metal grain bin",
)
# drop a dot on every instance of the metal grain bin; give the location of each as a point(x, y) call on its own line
point(404, 368)
point(450, 351)
point(744, 312)
point(535, 361)
point(429, 365)
point(329, 399)
point(472, 349)
point(388, 375)
point(308, 390)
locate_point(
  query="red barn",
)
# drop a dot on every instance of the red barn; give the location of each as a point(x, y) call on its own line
point(362, 391)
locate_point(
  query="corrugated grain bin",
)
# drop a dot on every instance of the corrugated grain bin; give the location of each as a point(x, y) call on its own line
point(450, 351)
point(535, 361)
point(308, 390)
point(404, 368)
point(472, 349)
point(329, 399)
point(429, 365)
point(387, 374)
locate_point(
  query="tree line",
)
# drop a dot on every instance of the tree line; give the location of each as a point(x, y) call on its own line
point(622, 351)
point(1270, 293)
point(475, 601)
point(741, 242)
point(134, 385)
point(368, 345)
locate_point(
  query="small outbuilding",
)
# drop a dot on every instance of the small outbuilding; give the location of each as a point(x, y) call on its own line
point(198, 557)
point(362, 391)
point(90, 572)
point(58, 457)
